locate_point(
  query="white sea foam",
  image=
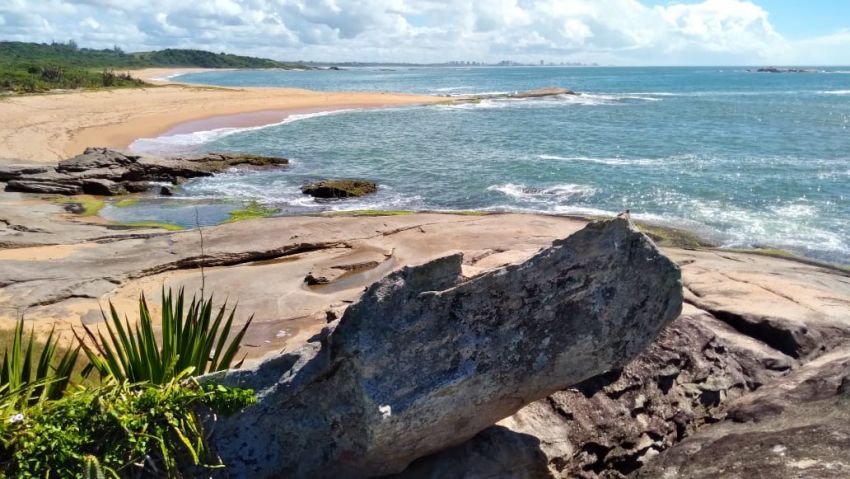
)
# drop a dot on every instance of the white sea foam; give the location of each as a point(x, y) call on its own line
point(796, 210)
point(604, 161)
point(167, 77)
point(451, 88)
point(171, 143)
point(549, 194)
point(657, 93)
point(585, 99)
point(834, 92)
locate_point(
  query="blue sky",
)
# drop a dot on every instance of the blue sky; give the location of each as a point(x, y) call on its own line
point(621, 32)
point(798, 19)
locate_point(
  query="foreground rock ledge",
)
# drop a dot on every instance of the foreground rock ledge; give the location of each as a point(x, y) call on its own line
point(425, 360)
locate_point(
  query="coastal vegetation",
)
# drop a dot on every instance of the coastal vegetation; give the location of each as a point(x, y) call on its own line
point(142, 419)
point(126, 202)
point(151, 224)
point(83, 205)
point(252, 210)
point(37, 67)
point(367, 213)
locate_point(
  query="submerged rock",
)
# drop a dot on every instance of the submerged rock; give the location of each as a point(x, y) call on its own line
point(426, 360)
point(339, 188)
point(102, 171)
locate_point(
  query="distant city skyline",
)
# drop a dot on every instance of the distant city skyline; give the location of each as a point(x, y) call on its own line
point(609, 32)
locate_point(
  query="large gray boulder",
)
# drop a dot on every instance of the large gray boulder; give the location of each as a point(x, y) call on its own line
point(755, 362)
point(425, 360)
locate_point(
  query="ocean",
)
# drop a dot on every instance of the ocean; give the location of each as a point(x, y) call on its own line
point(744, 159)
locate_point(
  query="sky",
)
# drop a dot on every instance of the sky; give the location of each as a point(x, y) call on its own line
point(615, 32)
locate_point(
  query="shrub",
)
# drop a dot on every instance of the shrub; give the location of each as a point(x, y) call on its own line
point(144, 420)
point(195, 341)
point(118, 430)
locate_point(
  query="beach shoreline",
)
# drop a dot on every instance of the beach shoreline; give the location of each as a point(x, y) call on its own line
point(45, 129)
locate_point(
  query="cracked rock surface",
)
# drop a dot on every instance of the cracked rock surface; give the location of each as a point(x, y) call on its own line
point(752, 329)
point(427, 359)
point(750, 381)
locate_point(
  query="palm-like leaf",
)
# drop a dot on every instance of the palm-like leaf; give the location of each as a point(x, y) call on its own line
point(198, 341)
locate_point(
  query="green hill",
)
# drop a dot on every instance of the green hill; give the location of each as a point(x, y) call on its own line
point(34, 67)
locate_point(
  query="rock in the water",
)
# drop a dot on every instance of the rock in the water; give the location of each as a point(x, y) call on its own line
point(166, 191)
point(537, 93)
point(426, 360)
point(102, 171)
point(781, 70)
point(542, 92)
point(339, 188)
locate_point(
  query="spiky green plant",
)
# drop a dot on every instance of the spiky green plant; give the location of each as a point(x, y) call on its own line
point(29, 378)
point(92, 468)
point(196, 341)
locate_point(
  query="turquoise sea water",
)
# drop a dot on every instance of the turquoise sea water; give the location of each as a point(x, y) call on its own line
point(745, 159)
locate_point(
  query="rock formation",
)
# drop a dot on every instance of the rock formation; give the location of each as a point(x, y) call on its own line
point(426, 360)
point(339, 188)
point(751, 379)
point(798, 427)
point(101, 171)
point(781, 70)
point(537, 93)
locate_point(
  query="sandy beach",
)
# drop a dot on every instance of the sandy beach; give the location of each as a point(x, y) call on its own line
point(48, 128)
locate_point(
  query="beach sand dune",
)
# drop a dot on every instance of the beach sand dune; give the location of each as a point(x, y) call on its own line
point(50, 127)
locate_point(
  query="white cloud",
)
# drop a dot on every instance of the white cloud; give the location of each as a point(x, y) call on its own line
point(606, 31)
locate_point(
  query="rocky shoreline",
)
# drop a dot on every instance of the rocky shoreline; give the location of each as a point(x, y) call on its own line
point(751, 378)
point(107, 172)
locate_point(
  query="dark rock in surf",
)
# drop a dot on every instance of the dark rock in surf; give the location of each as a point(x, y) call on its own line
point(328, 189)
